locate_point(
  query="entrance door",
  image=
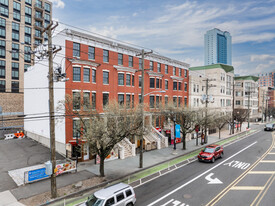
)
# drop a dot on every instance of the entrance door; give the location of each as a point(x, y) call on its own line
point(86, 152)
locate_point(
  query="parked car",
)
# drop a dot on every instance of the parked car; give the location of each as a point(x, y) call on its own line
point(210, 153)
point(118, 194)
point(269, 127)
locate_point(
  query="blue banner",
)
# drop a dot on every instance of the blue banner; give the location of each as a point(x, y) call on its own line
point(37, 174)
point(177, 133)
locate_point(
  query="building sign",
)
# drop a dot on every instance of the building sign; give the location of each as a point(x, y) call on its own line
point(38, 174)
point(65, 167)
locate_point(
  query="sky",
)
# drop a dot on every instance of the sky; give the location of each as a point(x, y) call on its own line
point(176, 28)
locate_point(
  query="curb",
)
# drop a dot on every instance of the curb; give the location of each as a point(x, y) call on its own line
point(151, 176)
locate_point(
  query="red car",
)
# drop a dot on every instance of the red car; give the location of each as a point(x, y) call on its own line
point(210, 153)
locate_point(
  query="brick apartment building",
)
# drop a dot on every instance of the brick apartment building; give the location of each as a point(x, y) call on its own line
point(267, 79)
point(101, 70)
point(21, 23)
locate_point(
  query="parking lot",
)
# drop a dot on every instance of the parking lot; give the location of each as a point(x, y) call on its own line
point(20, 153)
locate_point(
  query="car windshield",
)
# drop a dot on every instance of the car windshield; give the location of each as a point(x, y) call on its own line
point(94, 201)
point(269, 125)
point(208, 150)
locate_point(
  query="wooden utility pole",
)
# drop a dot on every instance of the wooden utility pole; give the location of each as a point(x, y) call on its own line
point(51, 107)
point(142, 105)
point(263, 106)
point(233, 104)
point(248, 121)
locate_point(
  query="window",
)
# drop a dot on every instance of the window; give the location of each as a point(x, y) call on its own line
point(76, 100)
point(121, 79)
point(157, 83)
point(174, 70)
point(180, 72)
point(139, 98)
point(105, 56)
point(28, 33)
point(16, 11)
point(120, 197)
point(179, 101)
point(28, 10)
point(180, 87)
point(175, 101)
point(105, 99)
point(38, 33)
point(15, 31)
point(131, 61)
point(76, 50)
point(152, 82)
point(110, 202)
point(14, 87)
point(185, 73)
point(238, 102)
point(120, 59)
point(2, 49)
point(2, 85)
point(15, 70)
point(160, 83)
point(133, 80)
point(93, 100)
point(2, 69)
point(2, 28)
point(47, 17)
point(15, 51)
point(128, 193)
point(175, 85)
point(128, 80)
point(93, 75)
point(77, 74)
point(159, 67)
point(86, 100)
point(91, 52)
point(185, 101)
point(133, 101)
point(185, 87)
point(86, 75)
point(38, 3)
point(166, 100)
point(28, 19)
point(166, 84)
point(120, 99)
point(26, 66)
point(140, 63)
point(47, 7)
point(166, 69)
point(152, 101)
point(4, 8)
point(151, 66)
point(105, 77)
point(76, 128)
point(27, 54)
point(139, 81)
point(128, 101)
point(157, 101)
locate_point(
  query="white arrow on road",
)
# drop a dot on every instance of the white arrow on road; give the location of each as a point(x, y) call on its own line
point(212, 181)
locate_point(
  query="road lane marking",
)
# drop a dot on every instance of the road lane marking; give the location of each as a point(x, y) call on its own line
point(238, 164)
point(247, 188)
point(212, 181)
point(261, 172)
point(238, 179)
point(267, 161)
point(271, 153)
point(192, 180)
point(265, 191)
point(167, 202)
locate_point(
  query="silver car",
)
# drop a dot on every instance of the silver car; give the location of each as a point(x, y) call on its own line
point(116, 195)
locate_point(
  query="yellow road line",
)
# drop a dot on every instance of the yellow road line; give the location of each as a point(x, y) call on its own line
point(238, 179)
point(261, 172)
point(247, 188)
point(271, 153)
point(267, 161)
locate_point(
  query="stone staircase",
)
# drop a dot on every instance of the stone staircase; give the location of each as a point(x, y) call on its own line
point(162, 139)
point(126, 148)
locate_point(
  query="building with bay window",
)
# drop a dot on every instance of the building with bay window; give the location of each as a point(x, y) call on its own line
point(100, 70)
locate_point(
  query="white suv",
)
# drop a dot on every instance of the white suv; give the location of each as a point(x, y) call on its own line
point(116, 195)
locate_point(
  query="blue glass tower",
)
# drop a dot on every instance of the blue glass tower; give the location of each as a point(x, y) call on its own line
point(217, 47)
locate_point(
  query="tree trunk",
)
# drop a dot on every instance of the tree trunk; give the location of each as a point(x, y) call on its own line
point(183, 141)
point(219, 133)
point(241, 126)
point(101, 168)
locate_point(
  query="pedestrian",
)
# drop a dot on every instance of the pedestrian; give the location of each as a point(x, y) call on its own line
point(202, 138)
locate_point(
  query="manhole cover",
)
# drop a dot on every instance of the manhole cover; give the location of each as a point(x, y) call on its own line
point(187, 196)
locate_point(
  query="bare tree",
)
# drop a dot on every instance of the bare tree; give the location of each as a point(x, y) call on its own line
point(241, 116)
point(220, 122)
point(104, 131)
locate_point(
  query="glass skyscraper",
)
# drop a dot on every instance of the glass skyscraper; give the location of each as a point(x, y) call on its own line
point(217, 47)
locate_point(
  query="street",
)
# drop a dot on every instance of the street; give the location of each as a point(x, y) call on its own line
point(244, 176)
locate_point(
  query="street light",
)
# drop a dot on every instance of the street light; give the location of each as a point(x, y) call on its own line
point(174, 119)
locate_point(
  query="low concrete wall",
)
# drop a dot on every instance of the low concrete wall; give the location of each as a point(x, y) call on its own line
point(60, 147)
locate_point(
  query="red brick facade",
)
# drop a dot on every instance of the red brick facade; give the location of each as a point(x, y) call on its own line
point(113, 88)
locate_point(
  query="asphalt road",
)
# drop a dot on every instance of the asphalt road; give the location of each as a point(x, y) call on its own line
point(244, 176)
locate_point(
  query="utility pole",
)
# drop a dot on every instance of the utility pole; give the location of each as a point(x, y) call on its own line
point(233, 126)
point(263, 107)
point(142, 105)
point(248, 107)
point(51, 107)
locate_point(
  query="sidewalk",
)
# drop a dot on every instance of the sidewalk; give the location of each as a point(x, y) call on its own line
point(116, 169)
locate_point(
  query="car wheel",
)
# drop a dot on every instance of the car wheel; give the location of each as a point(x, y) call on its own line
point(129, 204)
point(213, 159)
point(221, 155)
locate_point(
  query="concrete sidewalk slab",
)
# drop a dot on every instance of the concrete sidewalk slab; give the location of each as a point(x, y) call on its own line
point(7, 199)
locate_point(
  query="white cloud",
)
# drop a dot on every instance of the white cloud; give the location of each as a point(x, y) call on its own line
point(58, 3)
point(262, 57)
